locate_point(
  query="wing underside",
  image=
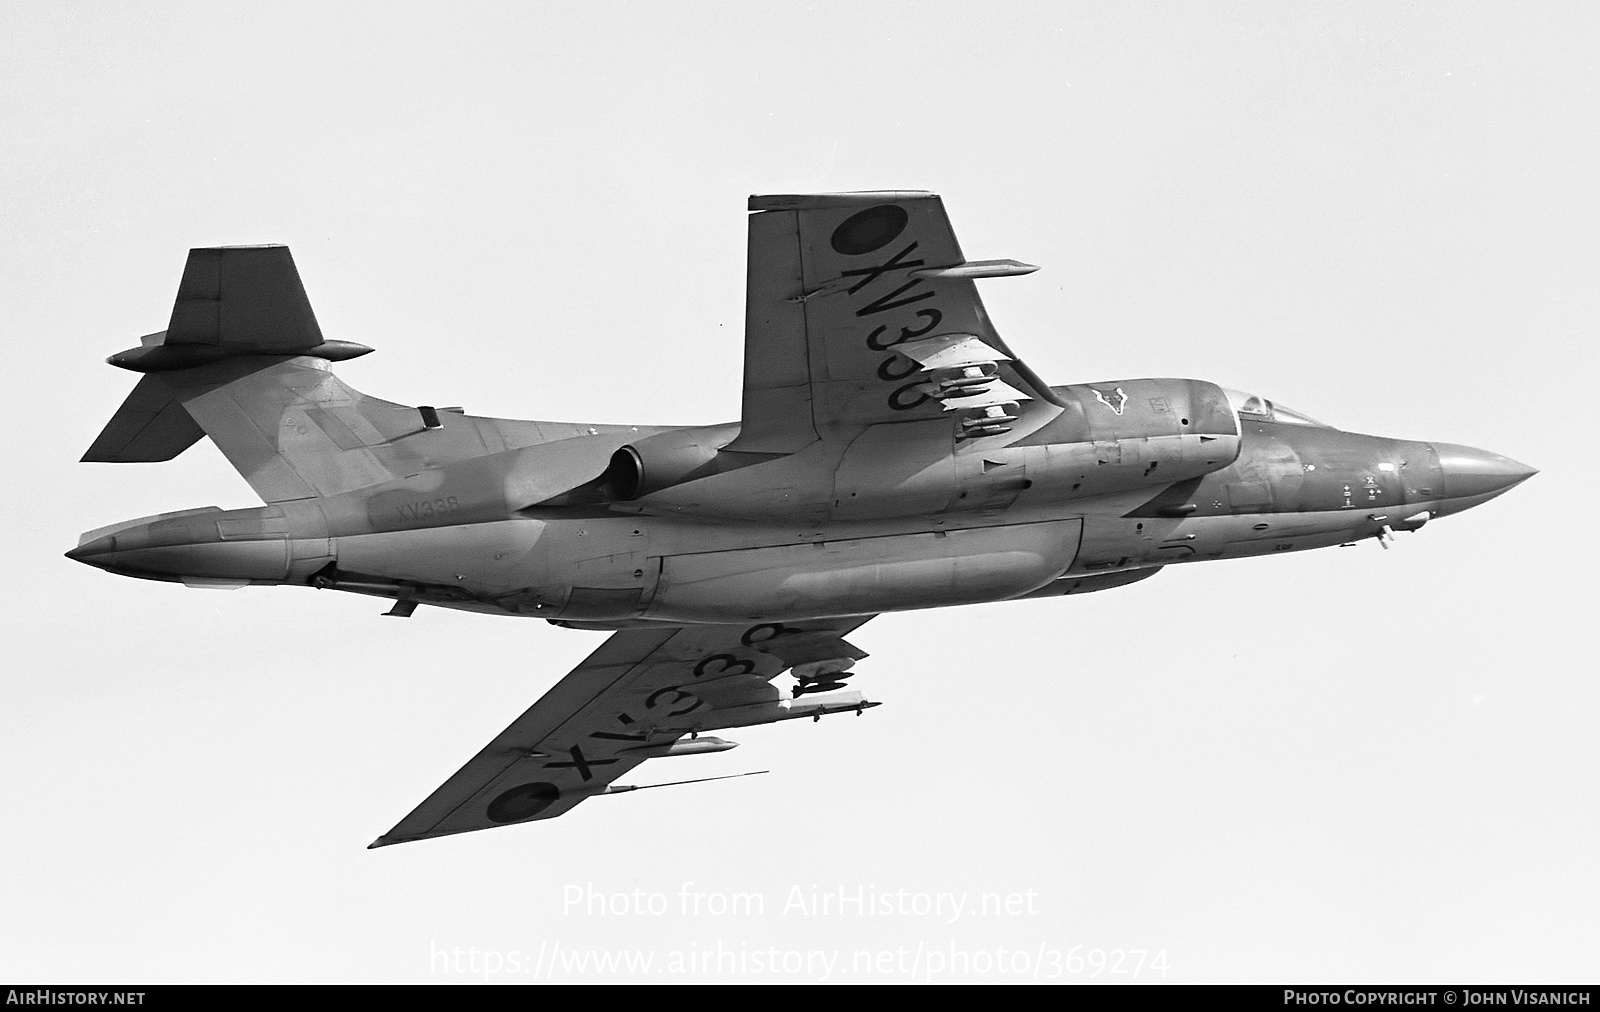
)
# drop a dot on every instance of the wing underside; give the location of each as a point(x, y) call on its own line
point(636, 697)
point(849, 296)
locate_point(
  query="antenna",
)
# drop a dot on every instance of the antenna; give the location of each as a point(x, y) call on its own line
point(623, 789)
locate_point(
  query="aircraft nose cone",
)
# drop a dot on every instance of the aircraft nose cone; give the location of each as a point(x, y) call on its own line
point(91, 553)
point(1469, 471)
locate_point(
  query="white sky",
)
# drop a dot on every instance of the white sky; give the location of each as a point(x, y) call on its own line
point(1341, 765)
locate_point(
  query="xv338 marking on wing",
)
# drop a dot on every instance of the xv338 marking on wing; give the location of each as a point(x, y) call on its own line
point(892, 453)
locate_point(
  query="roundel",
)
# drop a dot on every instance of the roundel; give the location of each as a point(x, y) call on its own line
point(523, 802)
point(871, 229)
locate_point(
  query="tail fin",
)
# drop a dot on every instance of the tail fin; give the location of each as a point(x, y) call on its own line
point(244, 362)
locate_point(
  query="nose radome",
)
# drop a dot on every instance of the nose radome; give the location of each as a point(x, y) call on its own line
point(92, 552)
point(1469, 471)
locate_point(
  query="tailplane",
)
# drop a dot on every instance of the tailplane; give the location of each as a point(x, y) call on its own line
point(244, 362)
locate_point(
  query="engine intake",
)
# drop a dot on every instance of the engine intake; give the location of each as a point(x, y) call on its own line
point(666, 459)
point(657, 462)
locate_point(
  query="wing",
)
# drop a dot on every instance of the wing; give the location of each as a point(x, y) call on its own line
point(634, 699)
point(848, 294)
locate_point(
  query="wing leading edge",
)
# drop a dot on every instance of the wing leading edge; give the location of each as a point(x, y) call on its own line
point(634, 698)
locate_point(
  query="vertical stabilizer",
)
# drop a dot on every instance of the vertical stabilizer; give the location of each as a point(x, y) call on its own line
point(243, 361)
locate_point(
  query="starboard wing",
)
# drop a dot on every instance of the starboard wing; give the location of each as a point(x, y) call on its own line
point(633, 699)
point(848, 297)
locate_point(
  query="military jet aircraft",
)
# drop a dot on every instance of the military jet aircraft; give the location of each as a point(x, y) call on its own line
point(892, 453)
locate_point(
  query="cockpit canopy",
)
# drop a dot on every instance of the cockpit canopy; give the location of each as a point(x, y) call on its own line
point(1251, 406)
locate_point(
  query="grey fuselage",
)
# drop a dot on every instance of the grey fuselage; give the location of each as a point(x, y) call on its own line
point(1100, 488)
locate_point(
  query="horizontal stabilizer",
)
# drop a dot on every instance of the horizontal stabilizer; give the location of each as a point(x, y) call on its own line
point(244, 297)
point(151, 425)
point(243, 362)
point(235, 301)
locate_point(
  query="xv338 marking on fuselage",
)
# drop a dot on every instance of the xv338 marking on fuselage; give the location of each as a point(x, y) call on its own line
point(892, 453)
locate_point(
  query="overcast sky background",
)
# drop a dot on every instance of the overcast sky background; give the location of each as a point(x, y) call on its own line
point(1346, 765)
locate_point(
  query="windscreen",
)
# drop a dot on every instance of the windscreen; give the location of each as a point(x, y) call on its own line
point(1253, 406)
